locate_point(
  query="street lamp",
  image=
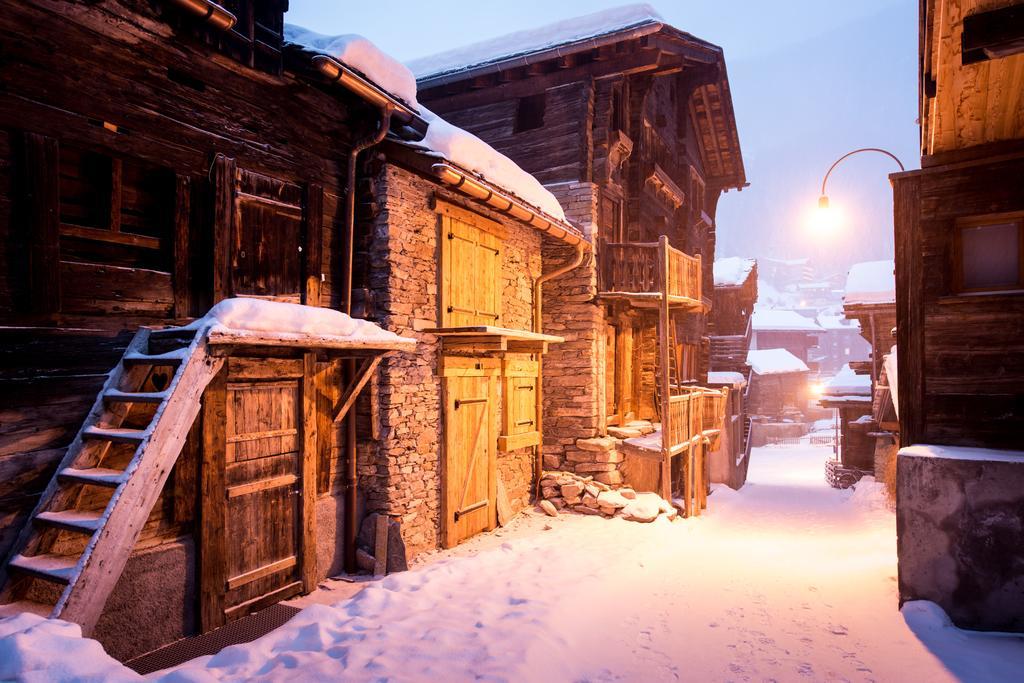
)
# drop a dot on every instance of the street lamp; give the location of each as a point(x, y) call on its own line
point(825, 217)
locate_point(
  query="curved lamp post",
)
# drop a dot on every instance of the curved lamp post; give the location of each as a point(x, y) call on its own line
point(823, 199)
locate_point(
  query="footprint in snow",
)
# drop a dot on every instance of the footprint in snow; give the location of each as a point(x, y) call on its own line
point(838, 630)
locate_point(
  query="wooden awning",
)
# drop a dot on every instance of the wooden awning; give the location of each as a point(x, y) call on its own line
point(227, 342)
point(488, 339)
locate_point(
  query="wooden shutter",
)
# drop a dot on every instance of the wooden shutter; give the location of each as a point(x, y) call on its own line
point(519, 406)
point(470, 274)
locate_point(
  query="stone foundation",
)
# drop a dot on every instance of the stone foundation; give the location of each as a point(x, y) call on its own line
point(960, 534)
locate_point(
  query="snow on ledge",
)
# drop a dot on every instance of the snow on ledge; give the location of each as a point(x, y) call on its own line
point(358, 53)
point(733, 271)
point(736, 379)
point(260, 317)
point(871, 282)
point(962, 453)
point(774, 362)
point(847, 383)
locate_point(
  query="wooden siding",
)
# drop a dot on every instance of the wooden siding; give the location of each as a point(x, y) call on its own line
point(960, 357)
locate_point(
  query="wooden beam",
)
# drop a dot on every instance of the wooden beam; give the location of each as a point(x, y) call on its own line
point(362, 376)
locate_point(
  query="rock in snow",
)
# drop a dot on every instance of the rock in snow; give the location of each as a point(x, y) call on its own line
point(549, 508)
point(644, 508)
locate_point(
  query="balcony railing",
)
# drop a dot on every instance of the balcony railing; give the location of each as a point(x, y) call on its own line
point(652, 269)
point(691, 414)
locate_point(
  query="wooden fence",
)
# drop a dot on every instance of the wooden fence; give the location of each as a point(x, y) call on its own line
point(643, 268)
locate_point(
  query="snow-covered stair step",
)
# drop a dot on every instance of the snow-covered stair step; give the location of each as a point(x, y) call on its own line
point(173, 357)
point(85, 522)
point(96, 476)
point(118, 434)
point(56, 568)
point(118, 396)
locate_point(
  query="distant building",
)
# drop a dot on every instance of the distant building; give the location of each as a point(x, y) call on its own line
point(870, 299)
point(850, 394)
point(778, 384)
point(776, 328)
point(729, 329)
point(839, 343)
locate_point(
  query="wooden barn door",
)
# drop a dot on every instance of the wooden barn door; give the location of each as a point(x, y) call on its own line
point(255, 552)
point(267, 236)
point(470, 462)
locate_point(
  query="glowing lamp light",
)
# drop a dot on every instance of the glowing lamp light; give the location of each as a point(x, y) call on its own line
point(818, 389)
point(823, 201)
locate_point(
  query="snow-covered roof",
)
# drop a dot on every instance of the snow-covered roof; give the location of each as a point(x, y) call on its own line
point(442, 140)
point(736, 379)
point(733, 271)
point(446, 141)
point(780, 319)
point(520, 43)
point(833, 321)
point(848, 383)
point(871, 282)
point(359, 54)
point(774, 362)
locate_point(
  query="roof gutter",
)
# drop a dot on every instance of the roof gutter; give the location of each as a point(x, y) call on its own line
point(336, 72)
point(506, 204)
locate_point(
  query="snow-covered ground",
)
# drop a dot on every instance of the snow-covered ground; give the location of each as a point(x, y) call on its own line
point(785, 580)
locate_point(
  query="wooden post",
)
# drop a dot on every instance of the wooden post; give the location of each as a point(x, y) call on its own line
point(313, 263)
point(182, 221)
point(212, 528)
point(380, 546)
point(663, 351)
point(309, 458)
point(223, 225)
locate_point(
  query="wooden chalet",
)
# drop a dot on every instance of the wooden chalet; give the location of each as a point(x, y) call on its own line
point(784, 329)
point(195, 158)
point(870, 299)
point(629, 122)
point(729, 326)
point(959, 223)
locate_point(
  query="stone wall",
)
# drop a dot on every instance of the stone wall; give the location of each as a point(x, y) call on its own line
point(400, 473)
point(574, 371)
point(960, 536)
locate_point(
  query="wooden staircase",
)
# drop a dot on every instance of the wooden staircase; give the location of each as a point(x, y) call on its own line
point(74, 546)
point(675, 379)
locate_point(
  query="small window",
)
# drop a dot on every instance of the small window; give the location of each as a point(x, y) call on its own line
point(618, 109)
point(530, 112)
point(115, 211)
point(990, 254)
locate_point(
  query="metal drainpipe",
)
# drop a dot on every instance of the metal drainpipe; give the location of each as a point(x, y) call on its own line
point(538, 326)
point(349, 364)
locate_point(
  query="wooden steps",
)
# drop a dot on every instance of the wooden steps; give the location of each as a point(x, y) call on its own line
point(95, 476)
point(122, 415)
point(71, 520)
point(54, 568)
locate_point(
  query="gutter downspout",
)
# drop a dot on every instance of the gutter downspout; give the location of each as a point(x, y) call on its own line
point(538, 326)
point(349, 364)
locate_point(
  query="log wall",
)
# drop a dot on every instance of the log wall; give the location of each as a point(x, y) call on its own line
point(92, 86)
point(961, 366)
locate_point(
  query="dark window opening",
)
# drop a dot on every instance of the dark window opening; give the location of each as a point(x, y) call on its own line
point(115, 211)
point(991, 253)
point(618, 110)
point(530, 112)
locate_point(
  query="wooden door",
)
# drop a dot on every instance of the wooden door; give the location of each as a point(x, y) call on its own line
point(470, 461)
point(259, 484)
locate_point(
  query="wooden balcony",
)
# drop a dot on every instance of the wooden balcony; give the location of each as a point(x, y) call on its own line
point(649, 273)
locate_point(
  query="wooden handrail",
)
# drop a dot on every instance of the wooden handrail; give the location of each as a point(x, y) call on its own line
point(643, 268)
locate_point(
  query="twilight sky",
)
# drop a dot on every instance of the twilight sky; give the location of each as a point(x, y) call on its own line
point(811, 80)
